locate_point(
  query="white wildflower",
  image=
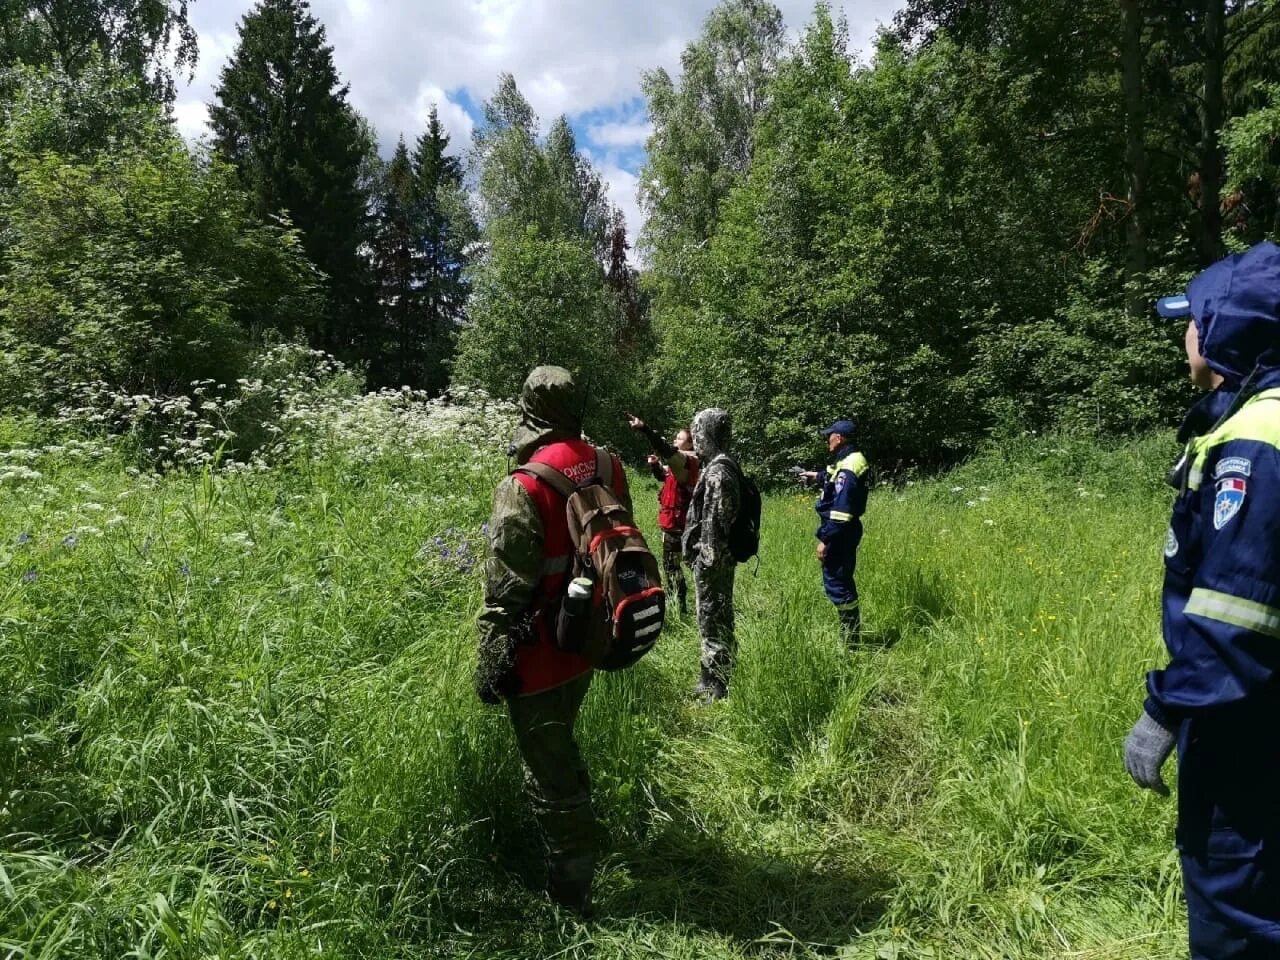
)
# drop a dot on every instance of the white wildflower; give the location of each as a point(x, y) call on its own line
point(16, 474)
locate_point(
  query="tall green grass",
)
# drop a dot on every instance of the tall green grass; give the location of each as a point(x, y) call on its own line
point(238, 722)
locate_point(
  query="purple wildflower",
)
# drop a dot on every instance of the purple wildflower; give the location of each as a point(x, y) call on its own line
point(184, 568)
point(70, 540)
point(24, 537)
point(444, 553)
point(31, 576)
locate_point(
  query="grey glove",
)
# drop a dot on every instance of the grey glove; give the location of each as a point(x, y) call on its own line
point(1145, 750)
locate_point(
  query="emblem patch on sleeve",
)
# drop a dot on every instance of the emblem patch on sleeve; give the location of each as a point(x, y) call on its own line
point(1227, 503)
point(1171, 543)
point(1240, 465)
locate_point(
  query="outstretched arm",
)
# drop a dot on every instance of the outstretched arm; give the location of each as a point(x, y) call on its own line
point(657, 442)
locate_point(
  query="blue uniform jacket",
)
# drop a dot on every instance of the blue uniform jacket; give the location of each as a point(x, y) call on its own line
point(1221, 595)
point(843, 499)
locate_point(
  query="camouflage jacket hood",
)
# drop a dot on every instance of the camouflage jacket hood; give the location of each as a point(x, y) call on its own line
point(712, 430)
point(549, 411)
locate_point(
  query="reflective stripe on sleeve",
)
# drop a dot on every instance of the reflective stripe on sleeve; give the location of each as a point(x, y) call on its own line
point(839, 516)
point(1223, 607)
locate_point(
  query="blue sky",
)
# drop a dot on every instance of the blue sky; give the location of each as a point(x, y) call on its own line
point(580, 58)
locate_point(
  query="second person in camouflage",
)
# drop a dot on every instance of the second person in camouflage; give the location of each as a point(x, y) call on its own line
point(712, 510)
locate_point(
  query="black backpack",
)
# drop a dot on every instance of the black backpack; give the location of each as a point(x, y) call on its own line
point(744, 535)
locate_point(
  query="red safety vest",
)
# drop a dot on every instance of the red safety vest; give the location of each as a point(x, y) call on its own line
point(540, 664)
point(673, 504)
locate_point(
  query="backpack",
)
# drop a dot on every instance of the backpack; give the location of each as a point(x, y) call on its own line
point(744, 535)
point(628, 604)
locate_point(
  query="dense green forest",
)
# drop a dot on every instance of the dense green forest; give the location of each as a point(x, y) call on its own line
point(955, 238)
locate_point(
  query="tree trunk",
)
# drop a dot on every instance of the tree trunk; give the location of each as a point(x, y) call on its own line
point(1135, 151)
point(1215, 49)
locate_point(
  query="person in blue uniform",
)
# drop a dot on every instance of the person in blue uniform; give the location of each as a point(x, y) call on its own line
point(1218, 699)
point(840, 506)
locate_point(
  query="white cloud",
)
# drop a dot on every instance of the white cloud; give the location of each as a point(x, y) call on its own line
point(192, 118)
point(622, 194)
point(625, 134)
point(568, 56)
point(411, 118)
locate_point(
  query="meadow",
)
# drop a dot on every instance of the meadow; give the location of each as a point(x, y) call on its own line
point(238, 718)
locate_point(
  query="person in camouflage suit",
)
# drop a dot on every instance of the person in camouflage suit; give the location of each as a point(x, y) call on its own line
point(716, 500)
point(518, 661)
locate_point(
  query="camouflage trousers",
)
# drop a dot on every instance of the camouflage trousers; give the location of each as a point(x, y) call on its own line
point(673, 568)
point(714, 589)
point(558, 786)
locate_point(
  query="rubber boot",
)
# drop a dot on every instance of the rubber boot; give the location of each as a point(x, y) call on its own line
point(851, 627)
point(710, 687)
point(569, 883)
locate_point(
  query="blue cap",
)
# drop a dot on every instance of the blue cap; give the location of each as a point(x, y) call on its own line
point(843, 427)
point(1235, 304)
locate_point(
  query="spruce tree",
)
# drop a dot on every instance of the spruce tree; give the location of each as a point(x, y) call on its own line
point(397, 257)
point(433, 168)
point(624, 280)
point(281, 116)
point(447, 230)
point(423, 228)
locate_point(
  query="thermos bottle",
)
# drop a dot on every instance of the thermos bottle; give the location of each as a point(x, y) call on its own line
point(571, 628)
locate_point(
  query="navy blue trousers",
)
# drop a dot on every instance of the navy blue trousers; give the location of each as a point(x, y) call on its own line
point(837, 575)
point(1229, 839)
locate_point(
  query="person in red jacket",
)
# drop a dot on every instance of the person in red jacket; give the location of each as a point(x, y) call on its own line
point(677, 469)
point(530, 555)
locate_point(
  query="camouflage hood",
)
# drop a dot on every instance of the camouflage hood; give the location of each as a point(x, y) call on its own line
point(712, 430)
point(549, 411)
